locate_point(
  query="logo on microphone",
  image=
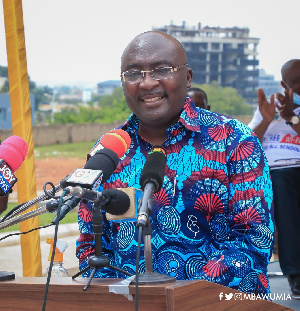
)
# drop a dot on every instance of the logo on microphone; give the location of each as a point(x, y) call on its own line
point(84, 177)
point(7, 173)
point(7, 178)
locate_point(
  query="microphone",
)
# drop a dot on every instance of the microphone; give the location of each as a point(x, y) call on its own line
point(135, 197)
point(96, 171)
point(151, 181)
point(13, 151)
point(114, 201)
point(102, 162)
point(119, 139)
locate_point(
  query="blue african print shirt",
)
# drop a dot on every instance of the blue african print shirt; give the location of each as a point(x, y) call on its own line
point(213, 217)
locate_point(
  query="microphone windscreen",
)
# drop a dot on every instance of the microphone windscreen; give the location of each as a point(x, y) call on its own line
point(154, 168)
point(105, 160)
point(119, 204)
point(116, 140)
point(13, 151)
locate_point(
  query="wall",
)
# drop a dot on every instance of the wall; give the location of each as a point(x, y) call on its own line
point(44, 135)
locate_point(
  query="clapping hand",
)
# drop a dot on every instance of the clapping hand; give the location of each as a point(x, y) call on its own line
point(266, 109)
point(286, 104)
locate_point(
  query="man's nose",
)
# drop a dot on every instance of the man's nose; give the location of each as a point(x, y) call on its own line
point(148, 82)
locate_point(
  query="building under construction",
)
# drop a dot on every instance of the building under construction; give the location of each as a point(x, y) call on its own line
point(225, 55)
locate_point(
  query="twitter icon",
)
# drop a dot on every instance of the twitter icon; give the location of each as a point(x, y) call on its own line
point(228, 296)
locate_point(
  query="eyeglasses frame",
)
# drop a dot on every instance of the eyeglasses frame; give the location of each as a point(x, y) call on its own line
point(173, 69)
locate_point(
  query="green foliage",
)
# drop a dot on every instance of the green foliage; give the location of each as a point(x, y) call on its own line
point(109, 109)
point(42, 94)
point(225, 100)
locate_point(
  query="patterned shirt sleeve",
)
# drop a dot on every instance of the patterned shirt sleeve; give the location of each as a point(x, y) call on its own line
point(241, 254)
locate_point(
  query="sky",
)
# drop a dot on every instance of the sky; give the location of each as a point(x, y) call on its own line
point(80, 42)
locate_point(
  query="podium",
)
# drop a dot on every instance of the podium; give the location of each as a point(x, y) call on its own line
point(27, 293)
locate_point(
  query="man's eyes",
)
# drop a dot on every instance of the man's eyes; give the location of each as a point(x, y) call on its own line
point(133, 73)
point(162, 69)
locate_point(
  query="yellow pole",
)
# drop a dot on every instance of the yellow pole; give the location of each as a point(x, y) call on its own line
point(21, 126)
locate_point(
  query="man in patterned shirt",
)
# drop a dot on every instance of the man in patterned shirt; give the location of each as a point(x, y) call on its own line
point(212, 218)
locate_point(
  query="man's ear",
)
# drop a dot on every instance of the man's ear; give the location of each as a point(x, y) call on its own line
point(189, 77)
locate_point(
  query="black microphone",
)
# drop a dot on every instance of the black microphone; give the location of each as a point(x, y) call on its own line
point(98, 168)
point(102, 161)
point(95, 172)
point(114, 201)
point(88, 177)
point(151, 181)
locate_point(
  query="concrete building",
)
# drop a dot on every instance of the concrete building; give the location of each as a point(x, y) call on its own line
point(225, 55)
point(107, 87)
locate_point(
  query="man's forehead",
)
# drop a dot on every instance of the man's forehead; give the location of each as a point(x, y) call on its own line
point(291, 68)
point(151, 48)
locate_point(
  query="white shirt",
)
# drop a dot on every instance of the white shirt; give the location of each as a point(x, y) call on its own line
point(280, 142)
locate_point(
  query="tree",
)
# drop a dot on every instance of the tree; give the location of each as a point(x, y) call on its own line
point(225, 100)
point(109, 109)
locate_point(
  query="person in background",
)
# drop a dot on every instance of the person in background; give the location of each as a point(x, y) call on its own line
point(277, 125)
point(212, 219)
point(199, 97)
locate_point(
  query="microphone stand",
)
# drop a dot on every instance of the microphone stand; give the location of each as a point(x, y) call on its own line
point(98, 260)
point(150, 277)
point(19, 218)
point(145, 209)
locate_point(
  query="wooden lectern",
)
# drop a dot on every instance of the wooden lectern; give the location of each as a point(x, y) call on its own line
point(27, 293)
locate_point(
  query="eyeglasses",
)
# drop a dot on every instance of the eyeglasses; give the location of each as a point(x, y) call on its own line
point(161, 73)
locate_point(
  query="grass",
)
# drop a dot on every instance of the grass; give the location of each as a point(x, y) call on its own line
point(44, 219)
point(70, 150)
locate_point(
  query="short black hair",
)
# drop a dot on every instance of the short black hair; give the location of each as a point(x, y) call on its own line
point(197, 89)
point(287, 65)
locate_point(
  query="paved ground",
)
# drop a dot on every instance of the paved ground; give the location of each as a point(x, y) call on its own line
point(10, 249)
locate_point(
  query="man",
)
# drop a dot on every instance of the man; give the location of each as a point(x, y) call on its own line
point(212, 218)
point(277, 126)
point(199, 97)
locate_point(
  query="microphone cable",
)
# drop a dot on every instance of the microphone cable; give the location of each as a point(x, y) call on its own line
point(19, 233)
point(138, 253)
point(53, 251)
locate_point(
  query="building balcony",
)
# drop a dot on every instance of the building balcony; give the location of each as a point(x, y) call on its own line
point(233, 50)
point(249, 62)
point(248, 73)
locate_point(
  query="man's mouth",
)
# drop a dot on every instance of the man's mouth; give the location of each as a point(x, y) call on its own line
point(153, 99)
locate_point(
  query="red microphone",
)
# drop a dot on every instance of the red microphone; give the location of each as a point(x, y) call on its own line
point(13, 151)
point(117, 140)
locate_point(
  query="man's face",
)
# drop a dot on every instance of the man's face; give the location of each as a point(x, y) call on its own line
point(156, 103)
point(292, 77)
